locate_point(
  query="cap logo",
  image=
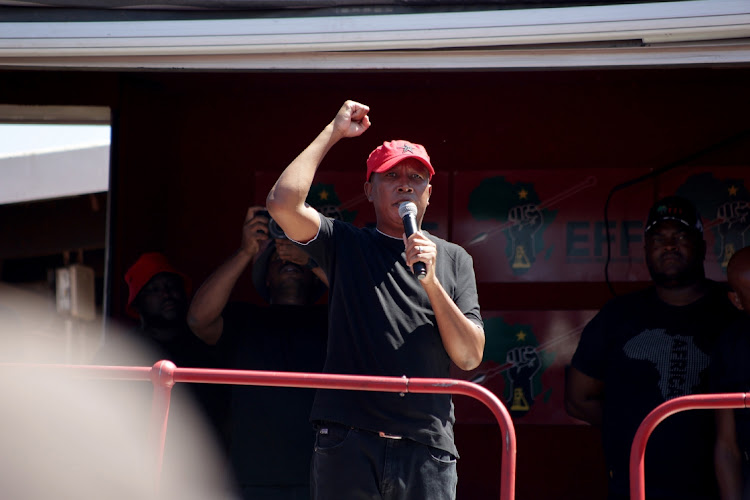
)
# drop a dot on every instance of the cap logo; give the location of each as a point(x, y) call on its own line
point(676, 209)
point(407, 148)
point(664, 210)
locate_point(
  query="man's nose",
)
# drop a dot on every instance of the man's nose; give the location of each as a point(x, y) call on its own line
point(405, 188)
point(670, 242)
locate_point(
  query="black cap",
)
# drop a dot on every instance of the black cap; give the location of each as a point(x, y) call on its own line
point(677, 209)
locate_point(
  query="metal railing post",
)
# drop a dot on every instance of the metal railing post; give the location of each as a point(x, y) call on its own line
point(661, 412)
point(162, 378)
point(498, 409)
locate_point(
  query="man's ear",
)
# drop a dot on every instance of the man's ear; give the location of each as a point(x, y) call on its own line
point(735, 300)
point(368, 190)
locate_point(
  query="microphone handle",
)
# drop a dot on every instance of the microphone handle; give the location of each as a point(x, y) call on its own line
point(420, 269)
point(410, 227)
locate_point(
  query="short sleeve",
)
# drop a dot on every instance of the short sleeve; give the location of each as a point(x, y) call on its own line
point(590, 356)
point(466, 297)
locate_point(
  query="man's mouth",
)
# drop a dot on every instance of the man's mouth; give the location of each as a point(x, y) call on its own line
point(290, 267)
point(169, 305)
point(670, 258)
point(401, 202)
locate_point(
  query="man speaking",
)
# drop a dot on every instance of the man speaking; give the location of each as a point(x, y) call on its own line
point(384, 321)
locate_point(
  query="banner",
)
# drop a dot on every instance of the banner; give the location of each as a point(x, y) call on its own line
point(548, 225)
point(723, 200)
point(525, 356)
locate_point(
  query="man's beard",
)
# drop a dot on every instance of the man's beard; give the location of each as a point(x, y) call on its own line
point(690, 275)
point(159, 321)
point(294, 291)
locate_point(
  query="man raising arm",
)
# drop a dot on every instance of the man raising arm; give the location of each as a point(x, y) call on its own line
point(463, 340)
point(384, 321)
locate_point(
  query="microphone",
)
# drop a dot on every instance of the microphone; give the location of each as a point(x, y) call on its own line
point(408, 212)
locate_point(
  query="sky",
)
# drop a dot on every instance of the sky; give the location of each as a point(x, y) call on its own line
point(18, 139)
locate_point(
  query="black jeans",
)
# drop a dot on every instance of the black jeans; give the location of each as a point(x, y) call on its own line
point(353, 464)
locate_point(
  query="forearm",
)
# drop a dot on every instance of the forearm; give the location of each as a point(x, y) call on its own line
point(728, 473)
point(727, 456)
point(286, 200)
point(294, 183)
point(584, 396)
point(589, 410)
point(204, 314)
point(463, 340)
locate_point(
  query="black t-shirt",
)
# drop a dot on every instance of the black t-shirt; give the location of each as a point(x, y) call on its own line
point(647, 352)
point(382, 323)
point(271, 437)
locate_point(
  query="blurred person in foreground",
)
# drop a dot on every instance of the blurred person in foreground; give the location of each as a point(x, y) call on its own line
point(650, 346)
point(68, 435)
point(384, 321)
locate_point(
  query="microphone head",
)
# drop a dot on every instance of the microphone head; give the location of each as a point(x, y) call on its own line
point(407, 208)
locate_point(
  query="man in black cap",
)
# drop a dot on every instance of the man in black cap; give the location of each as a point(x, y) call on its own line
point(647, 347)
point(269, 433)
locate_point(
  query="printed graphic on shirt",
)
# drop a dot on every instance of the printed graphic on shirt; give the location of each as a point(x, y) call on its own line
point(677, 359)
point(724, 205)
point(522, 218)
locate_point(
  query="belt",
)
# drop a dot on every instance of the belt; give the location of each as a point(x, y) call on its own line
point(382, 434)
point(389, 436)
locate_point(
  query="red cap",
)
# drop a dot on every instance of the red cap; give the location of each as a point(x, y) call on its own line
point(385, 157)
point(146, 267)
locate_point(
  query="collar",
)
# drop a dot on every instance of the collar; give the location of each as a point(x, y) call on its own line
point(387, 235)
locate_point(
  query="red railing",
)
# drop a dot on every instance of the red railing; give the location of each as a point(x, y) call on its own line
point(164, 374)
point(657, 415)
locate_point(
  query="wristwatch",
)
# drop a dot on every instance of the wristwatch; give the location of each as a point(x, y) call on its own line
point(311, 264)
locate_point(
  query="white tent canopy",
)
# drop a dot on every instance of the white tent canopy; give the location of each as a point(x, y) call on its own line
point(697, 32)
point(54, 174)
